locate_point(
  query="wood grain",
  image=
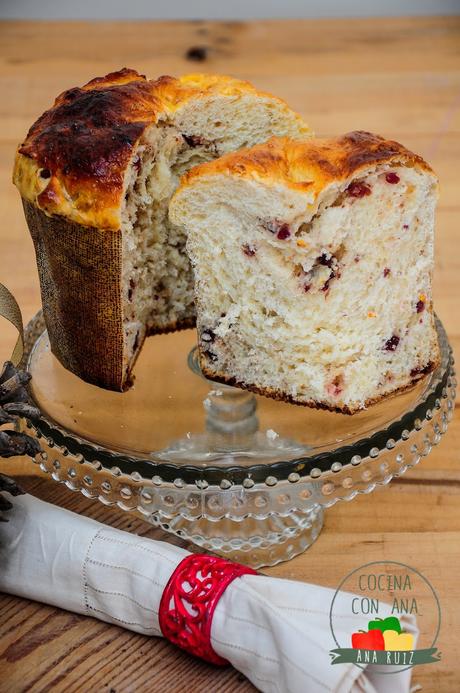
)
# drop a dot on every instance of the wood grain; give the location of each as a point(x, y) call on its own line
point(400, 77)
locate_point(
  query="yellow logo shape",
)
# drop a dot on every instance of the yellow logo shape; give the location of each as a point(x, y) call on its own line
point(398, 641)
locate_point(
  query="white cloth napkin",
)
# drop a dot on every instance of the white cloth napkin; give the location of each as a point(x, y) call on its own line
point(274, 631)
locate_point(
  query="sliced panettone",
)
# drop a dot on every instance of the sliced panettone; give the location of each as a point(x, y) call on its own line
point(96, 173)
point(313, 263)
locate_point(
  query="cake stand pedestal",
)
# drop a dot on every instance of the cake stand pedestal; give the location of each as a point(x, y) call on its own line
point(232, 473)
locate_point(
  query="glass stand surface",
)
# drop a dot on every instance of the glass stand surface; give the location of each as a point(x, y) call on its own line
point(236, 474)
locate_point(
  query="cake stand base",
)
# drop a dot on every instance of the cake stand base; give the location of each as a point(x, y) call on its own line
point(255, 542)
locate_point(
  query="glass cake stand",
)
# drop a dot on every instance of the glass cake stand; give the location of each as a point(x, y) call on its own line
point(236, 474)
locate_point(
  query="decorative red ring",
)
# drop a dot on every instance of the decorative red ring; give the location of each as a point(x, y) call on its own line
point(189, 600)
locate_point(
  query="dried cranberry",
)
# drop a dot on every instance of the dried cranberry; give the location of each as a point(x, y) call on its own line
point(307, 288)
point(132, 286)
point(420, 307)
point(358, 189)
point(386, 271)
point(392, 178)
point(325, 287)
point(249, 250)
point(284, 232)
point(392, 343)
point(405, 226)
point(421, 371)
point(281, 229)
point(335, 388)
point(325, 260)
point(194, 140)
point(357, 259)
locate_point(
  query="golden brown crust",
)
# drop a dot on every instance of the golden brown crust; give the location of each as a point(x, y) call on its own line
point(309, 165)
point(312, 404)
point(74, 159)
point(79, 149)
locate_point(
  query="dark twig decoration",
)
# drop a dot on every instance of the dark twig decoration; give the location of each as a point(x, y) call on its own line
point(14, 403)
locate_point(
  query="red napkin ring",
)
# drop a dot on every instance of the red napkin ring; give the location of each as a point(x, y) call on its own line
point(189, 600)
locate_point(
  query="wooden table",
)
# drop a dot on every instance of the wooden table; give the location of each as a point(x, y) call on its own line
point(399, 77)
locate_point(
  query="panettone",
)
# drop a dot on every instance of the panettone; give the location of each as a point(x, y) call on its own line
point(313, 263)
point(96, 173)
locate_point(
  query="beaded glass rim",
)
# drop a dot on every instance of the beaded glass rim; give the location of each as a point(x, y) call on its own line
point(385, 438)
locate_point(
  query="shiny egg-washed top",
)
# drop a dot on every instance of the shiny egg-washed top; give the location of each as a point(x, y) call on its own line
point(309, 165)
point(74, 159)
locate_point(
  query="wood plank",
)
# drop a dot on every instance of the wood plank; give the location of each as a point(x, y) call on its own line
point(400, 77)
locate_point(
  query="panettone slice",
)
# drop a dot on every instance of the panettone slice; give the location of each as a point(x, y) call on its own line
point(313, 264)
point(96, 173)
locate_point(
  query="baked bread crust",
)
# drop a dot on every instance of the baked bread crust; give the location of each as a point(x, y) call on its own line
point(74, 160)
point(281, 396)
point(312, 164)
